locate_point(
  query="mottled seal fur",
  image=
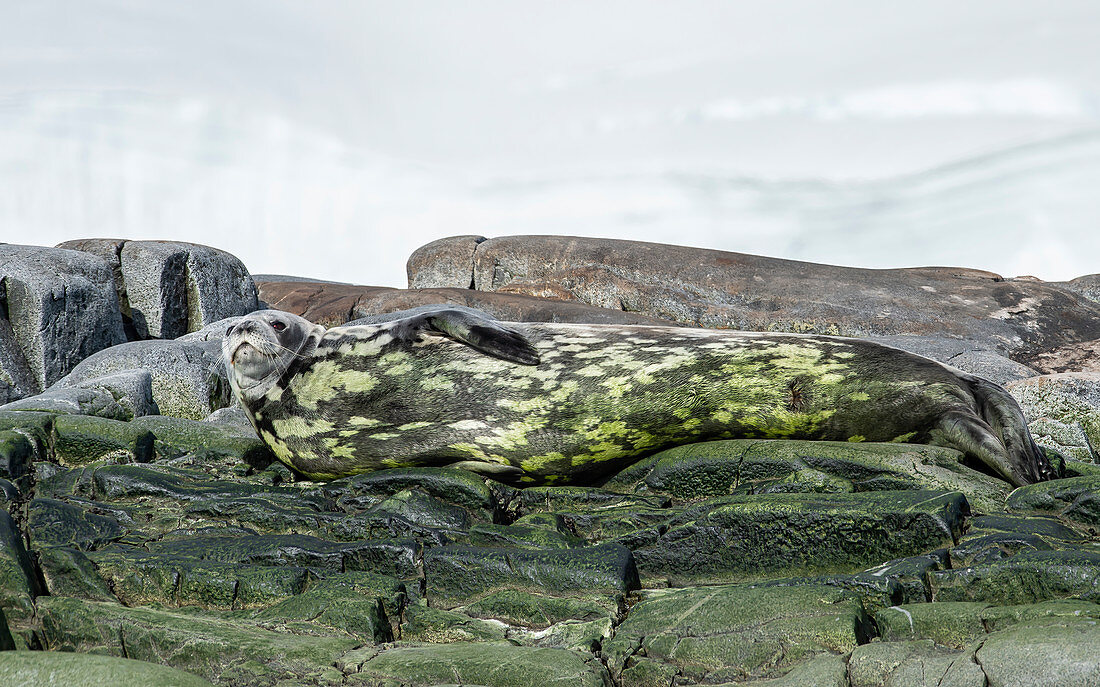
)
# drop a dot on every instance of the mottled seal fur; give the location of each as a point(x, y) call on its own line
point(556, 403)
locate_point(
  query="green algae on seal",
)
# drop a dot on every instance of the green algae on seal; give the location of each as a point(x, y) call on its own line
point(557, 403)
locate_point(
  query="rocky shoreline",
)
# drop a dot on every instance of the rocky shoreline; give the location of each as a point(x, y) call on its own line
point(144, 522)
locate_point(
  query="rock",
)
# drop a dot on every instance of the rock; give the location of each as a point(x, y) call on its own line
point(69, 572)
point(1044, 655)
point(1076, 499)
point(84, 439)
point(220, 650)
point(187, 379)
point(748, 537)
point(1072, 399)
point(394, 558)
point(499, 663)
point(361, 604)
point(954, 624)
point(918, 663)
point(59, 308)
point(446, 263)
point(168, 288)
point(18, 583)
point(752, 466)
point(1015, 318)
point(17, 456)
point(141, 579)
point(67, 669)
point(176, 437)
point(56, 523)
point(336, 304)
point(1028, 577)
point(456, 575)
point(716, 634)
point(1087, 286)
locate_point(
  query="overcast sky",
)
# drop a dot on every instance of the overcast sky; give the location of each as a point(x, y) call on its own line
point(331, 139)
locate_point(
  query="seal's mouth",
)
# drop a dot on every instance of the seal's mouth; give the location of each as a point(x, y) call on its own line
point(244, 352)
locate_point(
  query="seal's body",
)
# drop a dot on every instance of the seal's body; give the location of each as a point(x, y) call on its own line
point(555, 403)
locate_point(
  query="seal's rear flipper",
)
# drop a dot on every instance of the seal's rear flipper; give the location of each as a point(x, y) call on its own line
point(472, 328)
point(1017, 460)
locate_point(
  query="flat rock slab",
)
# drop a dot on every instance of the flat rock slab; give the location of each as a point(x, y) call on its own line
point(68, 669)
point(749, 537)
point(753, 466)
point(460, 574)
point(1076, 499)
point(1045, 655)
point(714, 634)
point(222, 651)
point(1028, 577)
point(498, 664)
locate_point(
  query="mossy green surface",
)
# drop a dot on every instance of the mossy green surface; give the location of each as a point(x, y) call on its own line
point(218, 650)
point(751, 537)
point(68, 669)
point(487, 663)
point(84, 439)
point(713, 634)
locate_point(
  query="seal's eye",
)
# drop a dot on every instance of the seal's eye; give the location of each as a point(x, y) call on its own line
point(278, 326)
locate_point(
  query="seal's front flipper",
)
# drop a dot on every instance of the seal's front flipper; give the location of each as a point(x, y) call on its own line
point(473, 328)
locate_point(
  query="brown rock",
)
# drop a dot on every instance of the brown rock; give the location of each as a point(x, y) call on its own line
point(446, 263)
point(335, 304)
point(1019, 319)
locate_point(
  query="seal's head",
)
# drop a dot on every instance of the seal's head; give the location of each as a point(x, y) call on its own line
point(259, 349)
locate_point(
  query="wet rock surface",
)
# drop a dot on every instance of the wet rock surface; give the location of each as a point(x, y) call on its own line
point(180, 543)
point(148, 536)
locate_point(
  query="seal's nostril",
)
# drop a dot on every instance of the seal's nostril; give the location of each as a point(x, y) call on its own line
point(229, 331)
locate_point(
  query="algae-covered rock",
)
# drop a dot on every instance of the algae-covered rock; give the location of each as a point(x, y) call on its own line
point(397, 558)
point(425, 624)
point(68, 669)
point(1076, 499)
point(18, 582)
point(749, 537)
point(218, 650)
point(488, 663)
point(17, 455)
point(1027, 577)
point(750, 466)
point(138, 578)
point(1044, 655)
point(56, 523)
point(69, 572)
point(1071, 399)
point(458, 487)
point(361, 604)
point(80, 440)
point(712, 634)
point(460, 574)
point(178, 436)
point(538, 611)
point(948, 623)
point(915, 664)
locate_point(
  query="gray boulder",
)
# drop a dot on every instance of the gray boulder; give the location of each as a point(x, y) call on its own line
point(121, 396)
point(169, 288)
point(186, 378)
point(1016, 318)
point(1064, 410)
point(58, 307)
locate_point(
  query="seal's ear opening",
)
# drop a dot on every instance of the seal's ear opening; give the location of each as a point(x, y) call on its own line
point(475, 330)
